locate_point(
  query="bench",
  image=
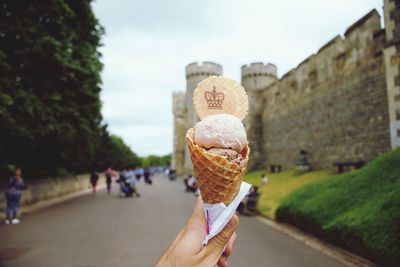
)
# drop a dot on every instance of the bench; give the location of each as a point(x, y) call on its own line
point(275, 168)
point(341, 165)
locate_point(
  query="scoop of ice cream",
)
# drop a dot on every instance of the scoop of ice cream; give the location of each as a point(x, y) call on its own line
point(221, 131)
point(229, 154)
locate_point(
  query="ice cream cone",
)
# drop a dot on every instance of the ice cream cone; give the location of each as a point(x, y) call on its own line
point(219, 179)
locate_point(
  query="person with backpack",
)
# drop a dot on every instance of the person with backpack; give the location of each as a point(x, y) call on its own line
point(13, 196)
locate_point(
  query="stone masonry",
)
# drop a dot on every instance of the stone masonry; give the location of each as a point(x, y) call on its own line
point(333, 105)
point(340, 104)
point(392, 66)
point(255, 78)
point(178, 155)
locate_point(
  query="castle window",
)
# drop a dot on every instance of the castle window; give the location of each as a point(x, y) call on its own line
point(397, 97)
point(398, 114)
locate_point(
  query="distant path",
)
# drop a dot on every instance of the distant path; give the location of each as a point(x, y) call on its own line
point(107, 231)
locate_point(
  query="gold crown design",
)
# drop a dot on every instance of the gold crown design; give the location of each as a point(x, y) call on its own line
point(214, 99)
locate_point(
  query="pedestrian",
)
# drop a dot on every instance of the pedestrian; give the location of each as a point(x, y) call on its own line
point(302, 163)
point(109, 174)
point(191, 183)
point(13, 196)
point(264, 179)
point(138, 174)
point(147, 177)
point(94, 177)
point(121, 181)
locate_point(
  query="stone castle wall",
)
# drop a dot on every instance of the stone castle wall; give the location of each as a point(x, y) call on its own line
point(392, 66)
point(333, 105)
point(340, 104)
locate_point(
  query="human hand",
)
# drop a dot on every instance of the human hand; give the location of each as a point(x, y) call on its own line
point(186, 249)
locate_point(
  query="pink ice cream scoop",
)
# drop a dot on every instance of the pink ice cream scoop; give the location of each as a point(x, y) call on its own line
point(221, 131)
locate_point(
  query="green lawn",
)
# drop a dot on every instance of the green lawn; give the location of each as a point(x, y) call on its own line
point(359, 211)
point(279, 186)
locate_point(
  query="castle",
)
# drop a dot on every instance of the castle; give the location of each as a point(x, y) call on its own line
point(340, 104)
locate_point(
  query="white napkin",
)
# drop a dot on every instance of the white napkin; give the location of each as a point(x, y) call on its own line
point(218, 215)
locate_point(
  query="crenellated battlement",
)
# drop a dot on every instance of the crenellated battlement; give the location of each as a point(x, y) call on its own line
point(337, 58)
point(205, 68)
point(257, 76)
point(332, 103)
point(259, 69)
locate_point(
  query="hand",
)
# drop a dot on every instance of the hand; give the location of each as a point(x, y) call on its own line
point(186, 249)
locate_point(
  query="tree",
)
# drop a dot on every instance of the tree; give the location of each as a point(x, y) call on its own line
point(50, 67)
point(154, 160)
point(114, 153)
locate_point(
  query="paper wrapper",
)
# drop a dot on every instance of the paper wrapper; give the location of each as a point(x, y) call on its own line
point(218, 215)
point(220, 184)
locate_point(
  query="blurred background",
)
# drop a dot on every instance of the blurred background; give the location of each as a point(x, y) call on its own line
point(96, 100)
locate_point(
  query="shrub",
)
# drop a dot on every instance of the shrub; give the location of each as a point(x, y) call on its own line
point(359, 211)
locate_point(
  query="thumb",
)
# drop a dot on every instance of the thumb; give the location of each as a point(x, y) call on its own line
point(217, 244)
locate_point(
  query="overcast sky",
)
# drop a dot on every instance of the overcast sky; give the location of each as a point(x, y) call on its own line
point(148, 44)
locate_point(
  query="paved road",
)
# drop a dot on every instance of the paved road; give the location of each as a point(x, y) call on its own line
point(105, 230)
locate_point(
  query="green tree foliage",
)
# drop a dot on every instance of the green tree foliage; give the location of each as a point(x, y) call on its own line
point(153, 160)
point(50, 119)
point(116, 154)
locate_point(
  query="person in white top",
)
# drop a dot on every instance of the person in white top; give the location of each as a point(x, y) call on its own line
point(264, 179)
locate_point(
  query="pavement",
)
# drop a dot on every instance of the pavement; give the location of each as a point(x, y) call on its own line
point(105, 230)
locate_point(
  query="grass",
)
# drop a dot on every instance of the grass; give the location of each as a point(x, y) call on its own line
point(359, 211)
point(279, 186)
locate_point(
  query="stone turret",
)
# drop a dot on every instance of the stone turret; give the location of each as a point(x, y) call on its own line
point(255, 79)
point(195, 73)
point(258, 75)
point(179, 110)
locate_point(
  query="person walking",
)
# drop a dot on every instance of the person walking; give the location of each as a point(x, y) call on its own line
point(94, 177)
point(13, 196)
point(147, 177)
point(109, 174)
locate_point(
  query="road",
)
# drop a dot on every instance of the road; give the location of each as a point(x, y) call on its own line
point(106, 230)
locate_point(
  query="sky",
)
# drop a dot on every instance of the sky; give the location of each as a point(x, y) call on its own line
point(148, 44)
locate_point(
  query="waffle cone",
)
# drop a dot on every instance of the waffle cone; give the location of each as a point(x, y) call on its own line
point(219, 179)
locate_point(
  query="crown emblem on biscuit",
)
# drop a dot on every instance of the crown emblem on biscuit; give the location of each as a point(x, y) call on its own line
point(214, 99)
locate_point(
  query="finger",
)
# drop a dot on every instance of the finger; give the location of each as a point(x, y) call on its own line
point(229, 246)
point(216, 245)
point(222, 262)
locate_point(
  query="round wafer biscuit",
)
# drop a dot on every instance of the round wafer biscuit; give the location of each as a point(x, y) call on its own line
point(220, 95)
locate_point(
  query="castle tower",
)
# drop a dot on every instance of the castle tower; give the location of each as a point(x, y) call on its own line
point(392, 68)
point(255, 79)
point(195, 73)
point(179, 108)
